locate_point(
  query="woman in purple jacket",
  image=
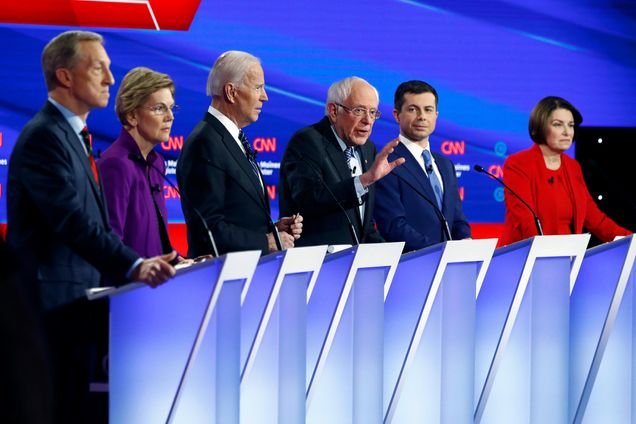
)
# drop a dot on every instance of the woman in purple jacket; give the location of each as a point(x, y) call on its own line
point(131, 170)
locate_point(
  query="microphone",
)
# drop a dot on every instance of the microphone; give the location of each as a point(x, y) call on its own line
point(439, 213)
point(333, 196)
point(138, 159)
point(551, 180)
point(537, 223)
point(270, 223)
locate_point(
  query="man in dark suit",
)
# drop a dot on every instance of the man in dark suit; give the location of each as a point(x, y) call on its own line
point(412, 200)
point(328, 169)
point(57, 219)
point(217, 171)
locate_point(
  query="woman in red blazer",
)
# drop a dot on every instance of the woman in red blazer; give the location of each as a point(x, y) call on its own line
point(551, 182)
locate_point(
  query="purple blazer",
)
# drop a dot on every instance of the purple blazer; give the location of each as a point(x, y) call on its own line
point(129, 197)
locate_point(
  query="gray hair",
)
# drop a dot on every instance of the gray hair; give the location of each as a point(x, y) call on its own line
point(62, 52)
point(231, 66)
point(340, 90)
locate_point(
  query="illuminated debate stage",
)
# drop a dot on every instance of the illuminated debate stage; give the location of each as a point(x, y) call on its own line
point(539, 331)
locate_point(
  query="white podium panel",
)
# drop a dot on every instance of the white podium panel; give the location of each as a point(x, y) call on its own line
point(522, 331)
point(274, 337)
point(602, 354)
point(429, 321)
point(174, 350)
point(345, 334)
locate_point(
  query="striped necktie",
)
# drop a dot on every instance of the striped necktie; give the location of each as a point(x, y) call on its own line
point(348, 152)
point(436, 185)
point(249, 152)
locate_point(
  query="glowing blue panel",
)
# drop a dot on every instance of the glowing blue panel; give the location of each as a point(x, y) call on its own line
point(526, 376)
point(436, 383)
point(601, 337)
point(151, 334)
point(274, 390)
point(348, 388)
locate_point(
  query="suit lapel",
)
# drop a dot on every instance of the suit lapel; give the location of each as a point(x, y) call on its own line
point(254, 187)
point(334, 151)
point(413, 172)
point(73, 142)
point(444, 172)
point(339, 163)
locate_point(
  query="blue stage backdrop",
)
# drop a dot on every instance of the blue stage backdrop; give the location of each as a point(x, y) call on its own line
point(491, 61)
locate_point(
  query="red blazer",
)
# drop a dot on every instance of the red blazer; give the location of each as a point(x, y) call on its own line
point(525, 172)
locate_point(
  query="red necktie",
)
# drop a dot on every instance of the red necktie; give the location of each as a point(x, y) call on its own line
point(88, 142)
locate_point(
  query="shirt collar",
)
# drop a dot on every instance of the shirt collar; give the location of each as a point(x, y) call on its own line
point(415, 149)
point(225, 121)
point(341, 143)
point(76, 123)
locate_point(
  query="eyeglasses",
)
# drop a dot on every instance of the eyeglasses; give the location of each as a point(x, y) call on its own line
point(162, 109)
point(360, 111)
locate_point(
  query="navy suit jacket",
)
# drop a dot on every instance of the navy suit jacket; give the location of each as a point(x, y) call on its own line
point(313, 158)
point(402, 214)
point(57, 217)
point(217, 179)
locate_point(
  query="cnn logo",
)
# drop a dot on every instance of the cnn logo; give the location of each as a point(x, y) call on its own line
point(496, 170)
point(264, 144)
point(450, 147)
point(173, 143)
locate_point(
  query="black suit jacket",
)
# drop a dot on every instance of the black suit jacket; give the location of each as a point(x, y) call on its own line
point(216, 178)
point(57, 219)
point(312, 159)
point(403, 215)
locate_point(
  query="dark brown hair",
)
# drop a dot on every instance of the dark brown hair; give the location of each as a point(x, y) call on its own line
point(541, 113)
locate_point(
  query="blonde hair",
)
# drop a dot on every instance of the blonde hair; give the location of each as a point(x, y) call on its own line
point(139, 84)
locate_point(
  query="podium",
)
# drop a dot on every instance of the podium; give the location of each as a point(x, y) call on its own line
point(174, 350)
point(522, 331)
point(273, 336)
point(602, 361)
point(539, 331)
point(429, 319)
point(345, 334)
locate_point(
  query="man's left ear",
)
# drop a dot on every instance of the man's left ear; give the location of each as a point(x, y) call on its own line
point(332, 109)
point(230, 92)
point(64, 77)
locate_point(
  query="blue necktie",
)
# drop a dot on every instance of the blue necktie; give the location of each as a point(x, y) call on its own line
point(436, 185)
point(348, 155)
point(249, 152)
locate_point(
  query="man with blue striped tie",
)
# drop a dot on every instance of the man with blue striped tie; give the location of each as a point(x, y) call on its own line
point(419, 203)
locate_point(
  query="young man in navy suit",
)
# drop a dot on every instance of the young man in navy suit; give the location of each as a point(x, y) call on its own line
point(416, 201)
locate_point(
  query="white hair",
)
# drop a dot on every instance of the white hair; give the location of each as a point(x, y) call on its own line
point(340, 90)
point(231, 66)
